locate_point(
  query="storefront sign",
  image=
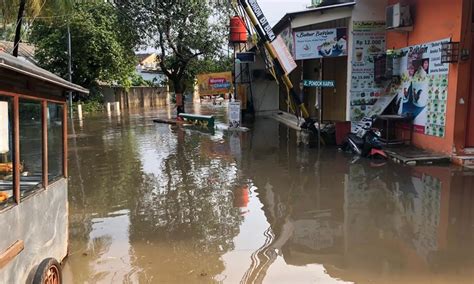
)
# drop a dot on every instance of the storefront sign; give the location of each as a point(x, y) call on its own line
point(215, 83)
point(266, 27)
point(284, 56)
point(319, 84)
point(246, 57)
point(320, 43)
point(4, 131)
point(234, 114)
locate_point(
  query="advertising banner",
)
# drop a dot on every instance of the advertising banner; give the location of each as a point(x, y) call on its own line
point(234, 114)
point(287, 36)
point(266, 27)
point(423, 90)
point(284, 56)
point(368, 42)
point(320, 43)
point(215, 83)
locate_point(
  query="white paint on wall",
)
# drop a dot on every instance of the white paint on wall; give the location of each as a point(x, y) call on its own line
point(265, 92)
point(364, 10)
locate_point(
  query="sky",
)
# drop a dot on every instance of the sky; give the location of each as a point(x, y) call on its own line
point(274, 10)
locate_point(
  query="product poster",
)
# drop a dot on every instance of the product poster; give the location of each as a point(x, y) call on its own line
point(234, 114)
point(287, 36)
point(284, 56)
point(320, 43)
point(361, 126)
point(423, 89)
point(368, 42)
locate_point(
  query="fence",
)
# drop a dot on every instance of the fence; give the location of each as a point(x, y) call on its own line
point(137, 97)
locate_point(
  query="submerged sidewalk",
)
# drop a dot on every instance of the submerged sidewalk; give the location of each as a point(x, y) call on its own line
point(403, 154)
point(288, 119)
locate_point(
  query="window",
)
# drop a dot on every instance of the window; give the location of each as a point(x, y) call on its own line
point(40, 150)
point(31, 149)
point(55, 141)
point(6, 151)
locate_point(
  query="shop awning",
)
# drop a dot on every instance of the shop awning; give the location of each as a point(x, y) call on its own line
point(24, 67)
point(315, 16)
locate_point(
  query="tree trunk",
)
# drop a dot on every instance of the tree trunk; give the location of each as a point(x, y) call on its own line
point(179, 92)
point(16, 42)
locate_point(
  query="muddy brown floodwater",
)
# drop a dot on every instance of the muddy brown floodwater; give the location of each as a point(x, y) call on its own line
point(152, 203)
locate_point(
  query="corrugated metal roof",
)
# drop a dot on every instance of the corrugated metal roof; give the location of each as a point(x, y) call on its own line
point(25, 50)
point(14, 64)
point(289, 16)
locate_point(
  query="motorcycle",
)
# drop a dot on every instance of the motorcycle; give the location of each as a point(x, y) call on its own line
point(368, 146)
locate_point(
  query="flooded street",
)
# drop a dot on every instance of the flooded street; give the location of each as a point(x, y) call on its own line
point(154, 203)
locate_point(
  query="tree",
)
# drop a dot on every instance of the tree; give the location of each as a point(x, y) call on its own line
point(103, 45)
point(183, 32)
point(33, 8)
point(204, 65)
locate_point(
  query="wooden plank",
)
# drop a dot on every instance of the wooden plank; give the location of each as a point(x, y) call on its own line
point(34, 97)
point(10, 253)
point(44, 124)
point(22, 84)
point(65, 145)
point(200, 120)
point(16, 149)
point(166, 121)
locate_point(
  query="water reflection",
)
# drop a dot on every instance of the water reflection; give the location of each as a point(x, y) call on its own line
point(366, 223)
point(155, 203)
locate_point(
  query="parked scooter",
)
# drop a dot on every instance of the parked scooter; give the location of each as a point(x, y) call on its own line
point(368, 145)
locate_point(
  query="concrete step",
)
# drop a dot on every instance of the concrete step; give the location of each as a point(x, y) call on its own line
point(288, 119)
point(411, 155)
point(469, 151)
point(464, 160)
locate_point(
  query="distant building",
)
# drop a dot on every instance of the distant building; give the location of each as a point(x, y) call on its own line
point(25, 50)
point(148, 67)
point(322, 3)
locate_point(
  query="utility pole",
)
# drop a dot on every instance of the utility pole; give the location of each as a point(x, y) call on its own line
point(69, 65)
point(16, 42)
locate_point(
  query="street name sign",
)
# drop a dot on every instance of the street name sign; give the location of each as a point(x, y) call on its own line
point(319, 83)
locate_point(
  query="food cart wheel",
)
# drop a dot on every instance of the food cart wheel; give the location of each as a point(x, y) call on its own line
point(48, 272)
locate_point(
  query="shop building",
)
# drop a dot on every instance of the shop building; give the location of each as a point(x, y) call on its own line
point(443, 29)
point(424, 48)
point(325, 41)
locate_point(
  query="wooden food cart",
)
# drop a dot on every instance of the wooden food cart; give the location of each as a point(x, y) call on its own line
point(33, 172)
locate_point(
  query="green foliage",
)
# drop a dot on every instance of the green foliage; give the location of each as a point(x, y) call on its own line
point(102, 45)
point(206, 65)
point(10, 9)
point(138, 81)
point(214, 65)
point(7, 32)
point(93, 103)
point(184, 32)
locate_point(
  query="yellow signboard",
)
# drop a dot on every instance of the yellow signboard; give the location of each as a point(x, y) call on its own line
point(215, 83)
